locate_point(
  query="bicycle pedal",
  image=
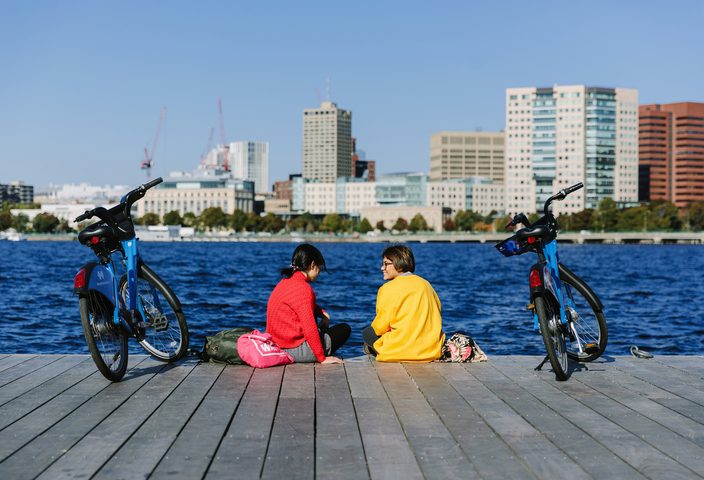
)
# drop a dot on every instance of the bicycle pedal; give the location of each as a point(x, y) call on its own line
point(591, 348)
point(530, 306)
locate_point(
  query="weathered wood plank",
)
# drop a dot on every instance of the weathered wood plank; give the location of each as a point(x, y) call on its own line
point(491, 457)
point(592, 412)
point(154, 437)
point(671, 379)
point(339, 451)
point(689, 363)
point(11, 360)
point(388, 453)
point(22, 405)
point(243, 447)
point(529, 444)
point(292, 442)
point(91, 452)
point(95, 396)
point(38, 377)
point(435, 448)
point(194, 449)
point(26, 367)
point(586, 451)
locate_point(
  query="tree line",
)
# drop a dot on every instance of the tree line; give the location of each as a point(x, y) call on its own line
point(656, 215)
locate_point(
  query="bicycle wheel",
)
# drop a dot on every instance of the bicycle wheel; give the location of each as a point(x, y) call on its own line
point(163, 333)
point(106, 341)
point(588, 331)
point(551, 330)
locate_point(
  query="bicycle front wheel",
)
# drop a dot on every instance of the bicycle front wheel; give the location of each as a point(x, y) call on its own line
point(588, 331)
point(163, 333)
point(106, 341)
point(551, 330)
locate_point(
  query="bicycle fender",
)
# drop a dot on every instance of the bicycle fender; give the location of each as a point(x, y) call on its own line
point(98, 278)
point(567, 273)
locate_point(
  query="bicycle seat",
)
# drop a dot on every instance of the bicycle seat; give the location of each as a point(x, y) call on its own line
point(534, 231)
point(99, 229)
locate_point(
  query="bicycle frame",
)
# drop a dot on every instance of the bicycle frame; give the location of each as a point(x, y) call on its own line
point(548, 271)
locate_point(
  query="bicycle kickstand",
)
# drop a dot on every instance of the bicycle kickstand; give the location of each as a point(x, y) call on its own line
point(540, 366)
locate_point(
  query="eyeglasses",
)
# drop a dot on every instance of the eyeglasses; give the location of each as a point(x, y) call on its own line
point(385, 264)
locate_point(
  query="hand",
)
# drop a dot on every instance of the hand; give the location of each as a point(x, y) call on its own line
point(331, 360)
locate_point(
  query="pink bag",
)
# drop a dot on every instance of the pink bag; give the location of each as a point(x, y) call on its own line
point(259, 351)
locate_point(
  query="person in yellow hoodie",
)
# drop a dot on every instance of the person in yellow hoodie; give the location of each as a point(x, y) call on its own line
point(408, 325)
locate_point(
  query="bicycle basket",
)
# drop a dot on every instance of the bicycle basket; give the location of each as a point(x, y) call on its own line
point(512, 246)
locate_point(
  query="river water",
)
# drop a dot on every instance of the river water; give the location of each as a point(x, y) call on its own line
point(653, 294)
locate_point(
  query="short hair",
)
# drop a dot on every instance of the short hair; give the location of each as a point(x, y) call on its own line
point(401, 256)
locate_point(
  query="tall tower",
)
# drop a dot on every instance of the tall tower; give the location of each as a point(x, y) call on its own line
point(327, 143)
point(458, 155)
point(558, 136)
point(250, 161)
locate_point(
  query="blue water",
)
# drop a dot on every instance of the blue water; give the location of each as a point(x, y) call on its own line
point(653, 294)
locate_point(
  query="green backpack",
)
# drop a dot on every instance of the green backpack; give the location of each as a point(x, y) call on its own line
point(222, 347)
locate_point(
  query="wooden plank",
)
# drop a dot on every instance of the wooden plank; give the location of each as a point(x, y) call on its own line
point(591, 412)
point(436, 450)
point(582, 449)
point(154, 437)
point(388, 453)
point(12, 360)
point(193, 451)
point(26, 367)
point(692, 364)
point(339, 451)
point(38, 377)
point(35, 398)
point(491, 457)
point(95, 396)
point(243, 447)
point(530, 445)
point(292, 442)
point(93, 450)
point(671, 379)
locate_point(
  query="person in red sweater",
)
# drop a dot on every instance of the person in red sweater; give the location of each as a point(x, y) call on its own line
point(291, 312)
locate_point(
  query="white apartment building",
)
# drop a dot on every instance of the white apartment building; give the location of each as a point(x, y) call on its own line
point(487, 198)
point(81, 192)
point(452, 194)
point(327, 143)
point(558, 136)
point(458, 155)
point(250, 161)
point(356, 195)
point(320, 198)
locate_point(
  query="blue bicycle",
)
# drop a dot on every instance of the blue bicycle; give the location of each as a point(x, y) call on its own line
point(568, 314)
point(137, 304)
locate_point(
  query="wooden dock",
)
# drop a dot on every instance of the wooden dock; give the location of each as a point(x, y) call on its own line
point(617, 418)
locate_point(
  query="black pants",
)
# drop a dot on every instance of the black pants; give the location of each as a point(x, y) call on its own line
point(369, 336)
point(338, 335)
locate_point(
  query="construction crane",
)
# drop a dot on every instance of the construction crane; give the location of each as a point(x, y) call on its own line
point(149, 153)
point(226, 148)
point(204, 156)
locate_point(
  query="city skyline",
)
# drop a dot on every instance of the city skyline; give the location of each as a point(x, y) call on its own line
point(84, 84)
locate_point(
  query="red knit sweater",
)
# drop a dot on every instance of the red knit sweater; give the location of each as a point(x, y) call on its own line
point(290, 315)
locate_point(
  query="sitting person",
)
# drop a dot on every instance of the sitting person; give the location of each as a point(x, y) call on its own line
point(291, 312)
point(408, 326)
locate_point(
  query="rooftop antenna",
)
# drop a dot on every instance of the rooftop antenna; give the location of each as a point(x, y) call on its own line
point(327, 89)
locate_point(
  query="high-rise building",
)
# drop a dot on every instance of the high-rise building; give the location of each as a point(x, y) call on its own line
point(16, 193)
point(327, 143)
point(671, 152)
point(558, 136)
point(250, 161)
point(458, 155)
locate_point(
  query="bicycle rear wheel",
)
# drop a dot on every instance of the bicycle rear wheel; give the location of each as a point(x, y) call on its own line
point(588, 331)
point(106, 341)
point(165, 332)
point(553, 337)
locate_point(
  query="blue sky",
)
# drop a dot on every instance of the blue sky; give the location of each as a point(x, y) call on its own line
point(82, 82)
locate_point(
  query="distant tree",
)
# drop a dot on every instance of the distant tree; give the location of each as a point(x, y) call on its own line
point(237, 220)
point(481, 226)
point(418, 224)
point(380, 226)
point(253, 222)
point(190, 219)
point(695, 215)
point(490, 218)
point(449, 225)
point(272, 223)
point(364, 226)
point(20, 222)
point(576, 221)
point(634, 219)
point(45, 223)
point(213, 218)
point(465, 220)
point(63, 227)
point(533, 217)
point(664, 216)
point(5, 220)
point(301, 222)
point(149, 218)
point(401, 225)
point(173, 218)
point(606, 217)
point(332, 222)
point(310, 227)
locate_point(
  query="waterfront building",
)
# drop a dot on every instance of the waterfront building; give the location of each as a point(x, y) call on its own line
point(277, 205)
point(185, 193)
point(558, 136)
point(81, 193)
point(250, 161)
point(16, 192)
point(458, 155)
point(487, 198)
point(320, 198)
point(402, 189)
point(388, 214)
point(671, 152)
point(449, 193)
point(327, 143)
point(355, 194)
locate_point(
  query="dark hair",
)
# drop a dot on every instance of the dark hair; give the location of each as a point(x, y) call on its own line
point(401, 256)
point(303, 256)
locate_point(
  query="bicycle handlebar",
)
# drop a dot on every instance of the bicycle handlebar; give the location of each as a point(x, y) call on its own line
point(561, 196)
point(127, 200)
